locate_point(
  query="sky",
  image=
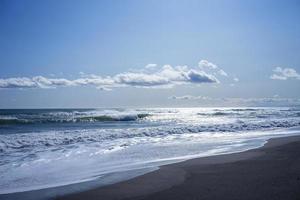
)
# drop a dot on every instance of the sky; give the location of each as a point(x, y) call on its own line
point(75, 53)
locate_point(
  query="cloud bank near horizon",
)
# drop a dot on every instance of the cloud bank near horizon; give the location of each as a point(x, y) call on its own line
point(151, 76)
point(284, 74)
point(275, 100)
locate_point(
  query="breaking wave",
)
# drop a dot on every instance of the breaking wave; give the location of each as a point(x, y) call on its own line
point(13, 142)
point(51, 118)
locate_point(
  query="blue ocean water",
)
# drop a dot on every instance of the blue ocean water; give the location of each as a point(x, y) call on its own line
point(42, 148)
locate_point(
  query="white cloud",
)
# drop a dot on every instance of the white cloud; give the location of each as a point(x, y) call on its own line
point(150, 66)
point(235, 80)
point(284, 74)
point(189, 97)
point(34, 82)
point(21, 82)
point(204, 64)
point(222, 72)
point(140, 79)
point(194, 76)
point(278, 77)
point(151, 76)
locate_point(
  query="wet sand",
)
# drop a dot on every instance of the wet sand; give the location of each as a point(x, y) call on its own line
point(270, 172)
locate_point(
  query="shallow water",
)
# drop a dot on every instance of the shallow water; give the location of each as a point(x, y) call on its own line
point(55, 147)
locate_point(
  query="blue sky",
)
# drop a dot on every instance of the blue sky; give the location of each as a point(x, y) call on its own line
point(95, 53)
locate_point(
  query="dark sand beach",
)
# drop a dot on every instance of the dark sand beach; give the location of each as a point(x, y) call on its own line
point(270, 172)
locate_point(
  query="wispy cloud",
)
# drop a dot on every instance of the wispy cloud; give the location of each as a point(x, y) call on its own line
point(264, 101)
point(284, 74)
point(189, 97)
point(150, 66)
point(151, 76)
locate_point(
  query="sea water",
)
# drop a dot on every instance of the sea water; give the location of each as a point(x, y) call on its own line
point(44, 148)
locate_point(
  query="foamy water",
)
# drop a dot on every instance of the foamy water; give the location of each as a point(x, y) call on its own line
point(48, 148)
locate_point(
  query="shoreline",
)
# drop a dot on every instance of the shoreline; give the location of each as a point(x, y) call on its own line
point(162, 181)
point(250, 174)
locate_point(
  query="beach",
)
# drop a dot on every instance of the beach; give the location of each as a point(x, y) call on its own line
point(270, 172)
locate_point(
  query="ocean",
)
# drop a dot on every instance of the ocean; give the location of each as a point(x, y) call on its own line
point(44, 148)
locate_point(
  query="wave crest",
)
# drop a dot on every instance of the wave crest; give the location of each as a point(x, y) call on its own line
point(72, 119)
